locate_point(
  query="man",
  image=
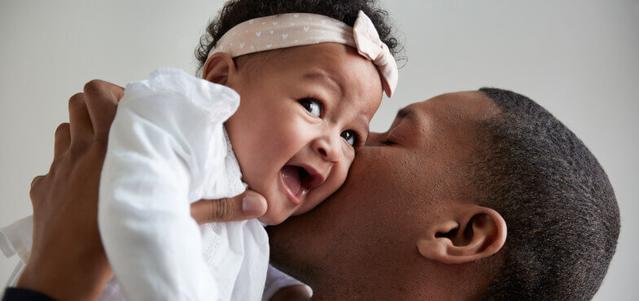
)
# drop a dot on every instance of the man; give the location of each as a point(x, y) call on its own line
point(471, 195)
point(427, 204)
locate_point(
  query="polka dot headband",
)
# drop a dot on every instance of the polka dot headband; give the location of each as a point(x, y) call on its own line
point(299, 29)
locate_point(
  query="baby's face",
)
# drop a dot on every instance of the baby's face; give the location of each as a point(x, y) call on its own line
point(303, 114)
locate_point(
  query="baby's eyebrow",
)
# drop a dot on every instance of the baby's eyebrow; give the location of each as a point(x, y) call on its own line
point(326, 78)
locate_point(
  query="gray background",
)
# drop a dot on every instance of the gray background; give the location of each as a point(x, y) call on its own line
point(579, 58)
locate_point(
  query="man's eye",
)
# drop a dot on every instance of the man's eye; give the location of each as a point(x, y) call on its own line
point(350, 137)
point(313, 106)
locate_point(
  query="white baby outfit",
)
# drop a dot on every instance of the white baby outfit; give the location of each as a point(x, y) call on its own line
point(168, 148)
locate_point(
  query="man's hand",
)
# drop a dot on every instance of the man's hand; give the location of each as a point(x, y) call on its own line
point(247, 205)
point(67, 260)
point(292, 293)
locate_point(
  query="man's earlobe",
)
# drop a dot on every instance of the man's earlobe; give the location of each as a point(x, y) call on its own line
point(218, 68)
point(472, 234)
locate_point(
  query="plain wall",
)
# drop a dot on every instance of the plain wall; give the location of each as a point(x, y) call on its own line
point(579, 59)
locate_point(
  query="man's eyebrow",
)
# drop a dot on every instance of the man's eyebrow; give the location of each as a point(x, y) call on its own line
point(406, 112)
point(318, 75)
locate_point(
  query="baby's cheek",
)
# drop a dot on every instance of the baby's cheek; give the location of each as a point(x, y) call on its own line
point(345, 168)
point(337, 179)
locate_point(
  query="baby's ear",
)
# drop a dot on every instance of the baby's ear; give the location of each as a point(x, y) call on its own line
point(218, 68)
point(464, 235)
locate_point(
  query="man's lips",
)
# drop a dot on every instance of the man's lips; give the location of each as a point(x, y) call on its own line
point(299, 180)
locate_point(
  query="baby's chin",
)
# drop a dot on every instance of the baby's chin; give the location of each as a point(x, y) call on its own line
point(271, 219)
point(279, 207)
point(276, 215)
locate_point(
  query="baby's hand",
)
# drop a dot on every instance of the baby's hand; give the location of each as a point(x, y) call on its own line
point(247, 205)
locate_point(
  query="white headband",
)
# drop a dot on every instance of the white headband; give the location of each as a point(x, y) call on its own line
point(290, 30)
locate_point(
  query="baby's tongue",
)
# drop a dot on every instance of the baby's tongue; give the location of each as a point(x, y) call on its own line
point(291, 177)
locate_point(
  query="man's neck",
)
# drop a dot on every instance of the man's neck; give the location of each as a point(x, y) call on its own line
point(362, 287)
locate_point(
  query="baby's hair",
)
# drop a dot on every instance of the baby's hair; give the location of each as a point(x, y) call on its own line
point(235, 12)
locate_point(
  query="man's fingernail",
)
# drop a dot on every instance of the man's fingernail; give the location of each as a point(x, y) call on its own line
point(252, 205)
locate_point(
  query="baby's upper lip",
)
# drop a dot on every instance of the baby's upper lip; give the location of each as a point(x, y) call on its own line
point(313, 179)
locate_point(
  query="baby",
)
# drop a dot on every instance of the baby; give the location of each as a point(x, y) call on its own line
point(283, 104)
point(308, 86)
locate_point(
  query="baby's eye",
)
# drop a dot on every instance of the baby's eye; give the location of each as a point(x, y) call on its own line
point(313, 106)
point(350, 137)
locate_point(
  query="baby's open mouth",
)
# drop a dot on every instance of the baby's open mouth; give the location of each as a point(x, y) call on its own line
point(300, 180)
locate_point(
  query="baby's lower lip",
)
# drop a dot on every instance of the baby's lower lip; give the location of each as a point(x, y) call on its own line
point(292, 185)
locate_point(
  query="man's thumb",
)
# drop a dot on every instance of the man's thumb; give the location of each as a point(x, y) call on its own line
point(247, 205)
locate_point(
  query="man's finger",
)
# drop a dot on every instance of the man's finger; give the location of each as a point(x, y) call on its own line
point(244, 206)
point(102, 99)
point(36, 191)
point(62, 140)
point(81, 128)
point(61, 144)
point(296, 292)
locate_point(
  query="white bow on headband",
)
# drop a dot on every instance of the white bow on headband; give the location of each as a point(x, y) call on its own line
point(299, 29)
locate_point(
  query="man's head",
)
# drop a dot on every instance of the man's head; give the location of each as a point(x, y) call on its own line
point(428, 209)
point(561, 211)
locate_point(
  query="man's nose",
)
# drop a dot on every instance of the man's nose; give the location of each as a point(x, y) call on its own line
point(327, 147)
point(373, 139)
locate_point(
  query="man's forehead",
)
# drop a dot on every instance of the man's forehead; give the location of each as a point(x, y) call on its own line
point(472, 105)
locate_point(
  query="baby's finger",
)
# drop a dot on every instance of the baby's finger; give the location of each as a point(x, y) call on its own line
point(245, 206)
point(102, 99)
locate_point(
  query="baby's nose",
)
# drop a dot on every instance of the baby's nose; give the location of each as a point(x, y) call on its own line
point(327, 147)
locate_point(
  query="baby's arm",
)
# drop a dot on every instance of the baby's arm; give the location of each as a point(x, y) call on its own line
point(155, 143)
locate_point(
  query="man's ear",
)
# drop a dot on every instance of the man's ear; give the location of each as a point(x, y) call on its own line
point(219, 68)
point(466, 235)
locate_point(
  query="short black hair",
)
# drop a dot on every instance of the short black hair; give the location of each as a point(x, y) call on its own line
point(235, 12)
point(559, 206)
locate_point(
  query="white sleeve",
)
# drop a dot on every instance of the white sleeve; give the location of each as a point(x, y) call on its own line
point(276, 280)
point(17, 238)
point(161, 133)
